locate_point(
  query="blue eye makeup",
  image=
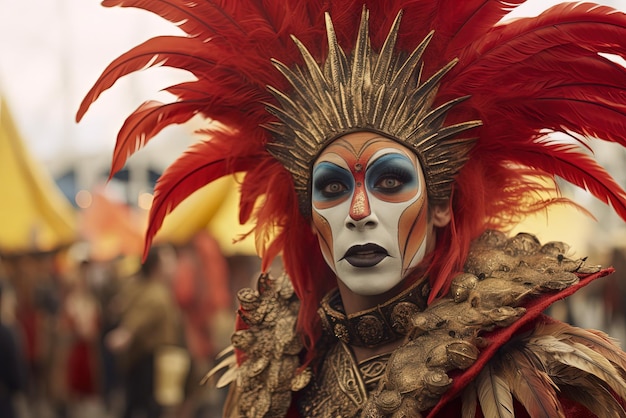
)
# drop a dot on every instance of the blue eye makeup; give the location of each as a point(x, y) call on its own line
point(330, 182)
point(391, 173)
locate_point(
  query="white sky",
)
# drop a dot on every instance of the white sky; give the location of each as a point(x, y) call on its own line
point(51, 52)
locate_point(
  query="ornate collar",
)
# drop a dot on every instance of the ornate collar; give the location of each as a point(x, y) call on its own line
point(381, 324)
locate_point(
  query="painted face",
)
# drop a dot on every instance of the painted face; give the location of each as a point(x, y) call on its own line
point(369, 211)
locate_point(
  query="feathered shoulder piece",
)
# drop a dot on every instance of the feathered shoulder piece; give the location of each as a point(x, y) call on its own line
point(269, 349)
point(547, 371)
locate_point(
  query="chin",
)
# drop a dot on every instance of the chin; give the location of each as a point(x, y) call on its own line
point(370, 281)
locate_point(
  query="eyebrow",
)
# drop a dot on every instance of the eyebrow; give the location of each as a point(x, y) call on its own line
point(349, 146)
point(396, 151)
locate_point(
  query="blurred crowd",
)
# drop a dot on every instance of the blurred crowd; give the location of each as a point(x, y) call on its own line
point(81, 337)
point(117, 338)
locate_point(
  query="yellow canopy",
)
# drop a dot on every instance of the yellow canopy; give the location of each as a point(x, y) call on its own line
point(34, 214)
point(214, 207)
point(560, 223)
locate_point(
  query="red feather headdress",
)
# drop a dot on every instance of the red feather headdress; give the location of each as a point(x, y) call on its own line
point(525, 79)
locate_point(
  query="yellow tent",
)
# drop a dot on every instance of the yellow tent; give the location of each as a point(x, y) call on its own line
point(34, 214)
point(213, 207)
point(560, 223)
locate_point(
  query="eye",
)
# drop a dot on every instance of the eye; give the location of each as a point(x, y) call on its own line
point(333, 188)
point(390, 174)
point(330, 182)
point(389, 183)
point(392, 180)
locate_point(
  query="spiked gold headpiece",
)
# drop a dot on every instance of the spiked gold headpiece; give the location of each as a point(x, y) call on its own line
point(367, 91)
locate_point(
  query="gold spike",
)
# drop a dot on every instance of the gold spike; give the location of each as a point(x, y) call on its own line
point(336, 57)
point(361, 56)
point(386, 52)
point(403, 75)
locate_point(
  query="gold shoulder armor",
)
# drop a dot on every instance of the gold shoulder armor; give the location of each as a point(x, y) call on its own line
point(262, 384)
point(500, 275)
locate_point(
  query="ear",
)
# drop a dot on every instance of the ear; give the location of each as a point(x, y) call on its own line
point(441, 214)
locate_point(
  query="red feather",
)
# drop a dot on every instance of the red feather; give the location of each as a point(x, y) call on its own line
point(200, 165)
point(143, 124)
point(171, 51)
point(459, 23)
point(565, 161)
point(224, 98)
point(592, 27)
point(198, 19)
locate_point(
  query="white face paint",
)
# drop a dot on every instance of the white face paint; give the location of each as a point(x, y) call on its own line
point(369, 211)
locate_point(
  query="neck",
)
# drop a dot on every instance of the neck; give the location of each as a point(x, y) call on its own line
point(381, 325)
point(354, 303)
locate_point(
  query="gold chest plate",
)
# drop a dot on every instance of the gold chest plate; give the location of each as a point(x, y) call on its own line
point(341, 387)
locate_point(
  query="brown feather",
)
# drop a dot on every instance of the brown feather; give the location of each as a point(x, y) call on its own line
point(596, 399)
point(494, 393)
point(613, 378)
point(230, 364)
point(596, 340)
point(231, 404)
point(532, 387)
point(587, 390)
point(553, 351)
point(469, 401)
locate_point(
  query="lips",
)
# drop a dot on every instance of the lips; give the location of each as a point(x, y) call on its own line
point(367, 255)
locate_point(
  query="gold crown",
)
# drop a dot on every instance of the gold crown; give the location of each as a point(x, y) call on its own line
point(367, 91)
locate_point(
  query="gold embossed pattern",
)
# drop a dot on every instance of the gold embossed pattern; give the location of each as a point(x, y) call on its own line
point(265, 380)
point(381, 324)
point(338, 389)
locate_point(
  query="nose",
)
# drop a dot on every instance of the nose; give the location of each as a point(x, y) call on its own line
point(369, 222)
point(360, 215)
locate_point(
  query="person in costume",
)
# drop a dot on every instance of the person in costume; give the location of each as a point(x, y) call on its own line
point(387, 148)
